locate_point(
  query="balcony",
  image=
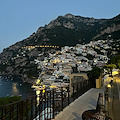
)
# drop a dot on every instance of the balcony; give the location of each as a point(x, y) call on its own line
point(44, 106)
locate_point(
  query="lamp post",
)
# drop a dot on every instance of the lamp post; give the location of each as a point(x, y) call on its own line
point(108, 97)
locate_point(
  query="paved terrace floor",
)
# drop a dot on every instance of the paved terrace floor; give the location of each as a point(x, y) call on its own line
point(87, 101)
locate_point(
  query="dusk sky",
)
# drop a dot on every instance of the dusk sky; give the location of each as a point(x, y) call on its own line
point(20, 18)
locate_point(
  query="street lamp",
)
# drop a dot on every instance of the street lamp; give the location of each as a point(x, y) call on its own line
point(108, 94)
point(109, 85)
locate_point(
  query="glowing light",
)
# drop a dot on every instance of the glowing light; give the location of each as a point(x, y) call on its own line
point(38, 81)
point(78, 61)
point(95, 60)
point(114, 72)
point(53, 86)
point(108, 86)
point(15, 90)
point(37, 92)
point(43, 91)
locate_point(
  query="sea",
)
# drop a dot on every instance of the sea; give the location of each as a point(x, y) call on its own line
point(14, 86)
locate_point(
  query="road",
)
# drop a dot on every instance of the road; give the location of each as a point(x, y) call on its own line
point(109, 99)
point(116, 98)
point(113, 103)
point(117, 78)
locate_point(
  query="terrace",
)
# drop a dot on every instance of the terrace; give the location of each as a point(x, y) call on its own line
point(45, 105)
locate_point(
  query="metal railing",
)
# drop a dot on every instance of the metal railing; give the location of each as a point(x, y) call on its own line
point(45, 105)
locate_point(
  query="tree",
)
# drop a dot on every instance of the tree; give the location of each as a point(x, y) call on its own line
point(115, 60)
point(93, 75)
point(118, 65)
point(110, 67)
point(7, 100)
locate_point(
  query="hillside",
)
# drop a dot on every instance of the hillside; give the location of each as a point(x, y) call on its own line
point(68, 30)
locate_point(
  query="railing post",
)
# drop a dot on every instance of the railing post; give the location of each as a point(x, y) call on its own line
point(73, 91)
point(53, 104)
point(10, 113)
point(12, 110)
point(40, 104)
point(31, 108)
point(17, 111)
point(50, 104)
point(21, 110)
point(85, 86)
point(45, 104)
point(80, 88)
point(27, 109)
point(5, 111)
point(68, 91)
point(2, 114)
point(35, 106)
point(62, 98)
point(77, 87)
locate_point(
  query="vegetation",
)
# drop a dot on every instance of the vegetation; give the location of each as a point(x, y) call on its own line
point(2, 67)
point(116, 60)
point(93, 75)
point(11, 110)
point(31, 71)
point(110, 67)
point(90, 57)
point(7, 100)
point(113, 63)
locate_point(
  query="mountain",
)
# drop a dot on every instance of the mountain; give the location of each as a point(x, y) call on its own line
point(64, 30)
point(110, 27)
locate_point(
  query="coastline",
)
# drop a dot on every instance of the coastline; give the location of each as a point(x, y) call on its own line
point(22, 77)
point(13, 85)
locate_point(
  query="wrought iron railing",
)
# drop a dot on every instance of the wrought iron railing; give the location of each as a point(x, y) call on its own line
point(45, 105)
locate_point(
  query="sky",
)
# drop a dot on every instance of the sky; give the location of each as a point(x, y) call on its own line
point(20, 18)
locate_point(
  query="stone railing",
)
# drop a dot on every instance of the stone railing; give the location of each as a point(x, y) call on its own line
point(98, 113)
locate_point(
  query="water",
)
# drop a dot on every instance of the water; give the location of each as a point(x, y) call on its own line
point(15, 86)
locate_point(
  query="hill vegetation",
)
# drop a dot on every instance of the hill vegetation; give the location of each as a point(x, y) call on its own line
point(7, 100)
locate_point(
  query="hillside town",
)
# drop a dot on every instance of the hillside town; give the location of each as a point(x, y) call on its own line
point(55, 69)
